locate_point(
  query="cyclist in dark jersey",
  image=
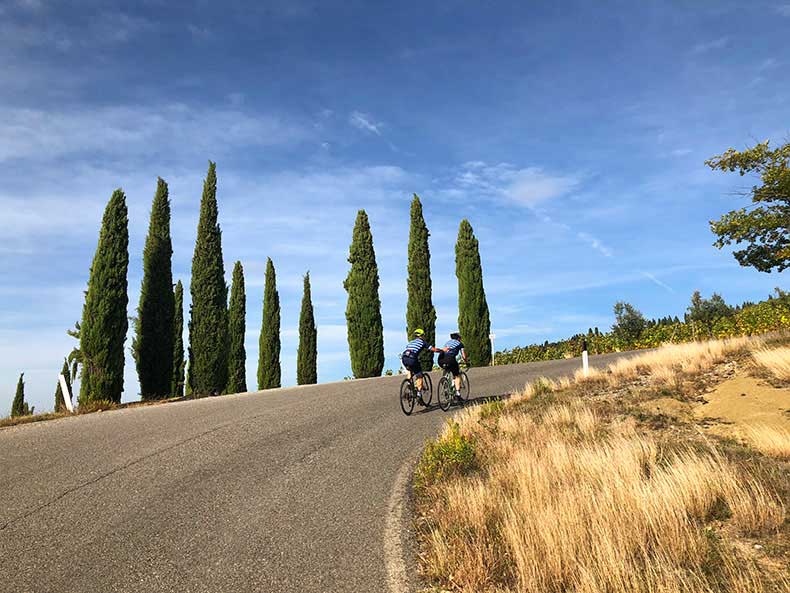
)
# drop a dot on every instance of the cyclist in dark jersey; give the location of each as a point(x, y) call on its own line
point(411, 354)
point(448, 358)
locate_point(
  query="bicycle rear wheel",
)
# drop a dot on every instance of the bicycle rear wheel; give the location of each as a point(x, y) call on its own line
point(407, 397)
point(465, 389)
point(444, 393)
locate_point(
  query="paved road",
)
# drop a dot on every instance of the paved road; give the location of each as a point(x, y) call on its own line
point(284, 491)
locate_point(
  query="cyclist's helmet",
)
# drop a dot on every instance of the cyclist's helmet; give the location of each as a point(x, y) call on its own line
point(419, 332)
point(455, 336)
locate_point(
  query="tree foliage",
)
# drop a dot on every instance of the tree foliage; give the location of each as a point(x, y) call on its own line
point(208, 324)
point(363, 310)
point(153, 344)
point(708, 311)
point(102, 332)
point(765, 228)
point(269, 351)
point(237, 329)
point(179, 364)
point(474, 321)
point(19, 405)
point(307, 353)
point(629, 322)
point(420, 312)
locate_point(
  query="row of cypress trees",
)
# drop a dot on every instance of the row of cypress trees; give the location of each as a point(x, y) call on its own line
point(216, 355)
point(363, 312)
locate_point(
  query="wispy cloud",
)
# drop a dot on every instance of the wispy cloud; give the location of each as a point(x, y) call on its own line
point(199, 32)
point(709, 46)
point(657, 282)
point(522, 186)
point(783, 9)
point(365, 122)
point(681, 151)
point(596, 244)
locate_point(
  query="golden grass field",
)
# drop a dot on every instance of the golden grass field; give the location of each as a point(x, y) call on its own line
point(576, 487)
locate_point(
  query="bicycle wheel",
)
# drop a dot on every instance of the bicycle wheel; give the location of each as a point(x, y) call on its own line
point(444, 393)
point(465, 389)
point(407, 397)
point(427, 390)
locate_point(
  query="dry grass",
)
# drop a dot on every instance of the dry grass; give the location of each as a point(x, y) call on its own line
point(771, 440)
point(775, 360)
point(558, 496)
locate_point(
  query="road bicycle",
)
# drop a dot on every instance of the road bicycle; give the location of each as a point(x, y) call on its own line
point(445, 391)
point(409, 394)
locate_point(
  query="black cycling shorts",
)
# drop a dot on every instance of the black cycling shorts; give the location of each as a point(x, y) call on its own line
point(449, 363)
point(412, 364)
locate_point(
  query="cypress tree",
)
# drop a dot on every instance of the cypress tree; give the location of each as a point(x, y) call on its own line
point(420, 311)
point(153, 344)
point(104, 315)
point(363, 311)
point(473, 318)
point(60, 402)
point(306, 365)
point(269, 353)
point(18, 406)
point(237, 328)
point(208, 323)
point(179, 364)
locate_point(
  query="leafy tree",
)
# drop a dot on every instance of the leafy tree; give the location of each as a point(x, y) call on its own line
point(179, 364)
point(629, 323)
point(18, 406)
point(237, 329)
point(208, 324)
point(269, 352)
point(102, 332)
point(473, 317)
point(764, 228)
point(363, 311)
point(60, 401)
point(153, 344)
point(420, 311)
point(306, 356)
point(708, 311)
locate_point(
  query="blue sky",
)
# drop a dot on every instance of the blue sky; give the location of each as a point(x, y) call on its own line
point(571, 134)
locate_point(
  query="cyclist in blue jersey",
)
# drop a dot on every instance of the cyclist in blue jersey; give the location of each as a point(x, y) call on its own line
point(448, 358)
point(411, 356)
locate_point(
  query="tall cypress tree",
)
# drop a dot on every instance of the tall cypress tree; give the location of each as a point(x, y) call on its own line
point(306, 356)
point(153, 344)
point(18, 406)
point(208, 324)
point(179, 364)
point(473, 318)
point(363, 311)
point(269, 353)
point(420, 311)
point(60, 401)
point(237, 328)
point(104, 315)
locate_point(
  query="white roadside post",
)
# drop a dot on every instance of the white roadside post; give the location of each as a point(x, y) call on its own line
point(64, 387)
point(491, 337)
point(585, 359)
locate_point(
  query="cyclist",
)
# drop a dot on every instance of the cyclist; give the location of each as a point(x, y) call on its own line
point(448, 359)
point(411, 356)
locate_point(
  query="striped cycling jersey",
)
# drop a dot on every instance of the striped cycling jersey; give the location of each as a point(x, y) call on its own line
point(454, 347)
point(414, 347)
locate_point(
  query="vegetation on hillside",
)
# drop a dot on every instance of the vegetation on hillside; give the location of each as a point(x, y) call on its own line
point(307, 352)
point(420, 312)
point(269, 343)
point(237, 330)
point(474, 322)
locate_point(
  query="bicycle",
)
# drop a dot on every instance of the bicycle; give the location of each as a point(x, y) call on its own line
point(409, 393)
point(445, 391)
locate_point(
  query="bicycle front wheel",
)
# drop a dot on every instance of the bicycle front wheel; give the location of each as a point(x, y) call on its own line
point(427, 390)
point(406, 397)
point(465, 389)
point(444, 393)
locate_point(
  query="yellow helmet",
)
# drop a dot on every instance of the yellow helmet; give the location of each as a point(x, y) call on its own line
point(419, 332)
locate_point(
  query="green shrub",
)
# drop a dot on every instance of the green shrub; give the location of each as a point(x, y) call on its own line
point(452, 454)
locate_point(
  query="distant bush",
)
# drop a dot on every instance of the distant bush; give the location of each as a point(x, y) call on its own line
point(745, 320)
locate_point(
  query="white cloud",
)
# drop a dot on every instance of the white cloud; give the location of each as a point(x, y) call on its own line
point(708, 46)
point(596, 244)
point(681, 151)
point(199, 33)
point(365, 122)
point(657, 282)
point(130, 131)
point(783, 9)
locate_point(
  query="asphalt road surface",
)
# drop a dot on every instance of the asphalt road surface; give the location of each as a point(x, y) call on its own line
point(290, 490)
